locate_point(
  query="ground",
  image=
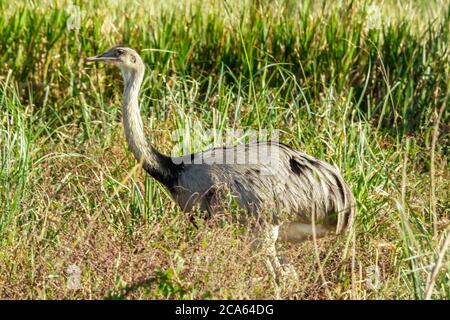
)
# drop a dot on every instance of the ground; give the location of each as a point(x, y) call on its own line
point(362, 86)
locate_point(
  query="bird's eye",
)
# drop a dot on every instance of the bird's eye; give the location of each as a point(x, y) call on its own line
point(133, 58)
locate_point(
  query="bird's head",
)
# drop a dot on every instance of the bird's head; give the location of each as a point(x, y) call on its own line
point(125, 58)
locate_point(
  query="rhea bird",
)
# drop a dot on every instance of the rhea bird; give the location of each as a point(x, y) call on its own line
point(310, 191)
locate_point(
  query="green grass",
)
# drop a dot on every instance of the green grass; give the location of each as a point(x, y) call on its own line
point(372, 101)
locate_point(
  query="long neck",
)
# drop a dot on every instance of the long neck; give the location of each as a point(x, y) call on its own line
point(156, 164)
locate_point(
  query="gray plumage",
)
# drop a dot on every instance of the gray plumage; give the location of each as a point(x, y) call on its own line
point(285, 181)
point(291, 182)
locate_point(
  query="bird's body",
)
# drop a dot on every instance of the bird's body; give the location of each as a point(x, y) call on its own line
point(290, 182)
point(263, 177)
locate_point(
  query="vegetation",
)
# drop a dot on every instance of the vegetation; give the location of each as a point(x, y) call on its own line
point(363, 85)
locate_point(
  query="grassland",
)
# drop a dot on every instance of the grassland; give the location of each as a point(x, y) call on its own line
point(366, 90)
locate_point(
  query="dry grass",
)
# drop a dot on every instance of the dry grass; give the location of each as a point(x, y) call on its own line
point(170, 258)
point(366, 100)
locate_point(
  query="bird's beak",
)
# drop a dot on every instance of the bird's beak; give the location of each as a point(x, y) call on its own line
point(103, 57)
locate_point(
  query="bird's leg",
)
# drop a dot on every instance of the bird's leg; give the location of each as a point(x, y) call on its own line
point(280, 273)
point(269, 238)
point(299, 232)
